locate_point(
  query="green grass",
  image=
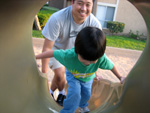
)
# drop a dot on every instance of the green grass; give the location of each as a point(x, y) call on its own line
point(52, 9)
point(125, 42)
point(48, 10)
point(37, 34)
point(113, 41)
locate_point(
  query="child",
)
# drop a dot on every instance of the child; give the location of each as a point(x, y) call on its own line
point(81, 64)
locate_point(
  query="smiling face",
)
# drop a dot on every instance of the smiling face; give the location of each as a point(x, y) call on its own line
point(86, 62)
point(81, 9)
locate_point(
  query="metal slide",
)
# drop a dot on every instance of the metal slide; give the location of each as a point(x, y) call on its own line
point(23, 89)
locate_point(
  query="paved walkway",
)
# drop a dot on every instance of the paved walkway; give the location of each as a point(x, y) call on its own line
point(124, 59)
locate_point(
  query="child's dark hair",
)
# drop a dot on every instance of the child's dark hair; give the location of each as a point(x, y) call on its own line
point(90, 43)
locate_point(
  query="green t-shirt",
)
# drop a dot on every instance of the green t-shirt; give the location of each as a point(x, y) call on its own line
point(80, 71)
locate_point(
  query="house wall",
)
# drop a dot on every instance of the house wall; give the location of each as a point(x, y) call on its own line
point(129, 15)
point(132, 18)
point(108, 1)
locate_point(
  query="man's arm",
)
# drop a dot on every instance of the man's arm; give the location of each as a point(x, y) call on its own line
point(46, 47)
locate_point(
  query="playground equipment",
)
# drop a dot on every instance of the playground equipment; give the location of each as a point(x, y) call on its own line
point(23, 89)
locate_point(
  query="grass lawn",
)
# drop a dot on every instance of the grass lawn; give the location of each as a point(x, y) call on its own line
point(37, 34)
point(125, 42)
point(112, 41)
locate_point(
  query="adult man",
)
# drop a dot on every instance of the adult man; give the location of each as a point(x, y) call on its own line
point(60, 32)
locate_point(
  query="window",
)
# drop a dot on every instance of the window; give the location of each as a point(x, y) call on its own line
point(105, 12)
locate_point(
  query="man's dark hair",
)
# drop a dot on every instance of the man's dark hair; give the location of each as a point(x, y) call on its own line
point(90, 43)
point(74, 0)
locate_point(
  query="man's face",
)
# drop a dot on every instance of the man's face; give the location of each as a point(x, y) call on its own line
point(81, 9)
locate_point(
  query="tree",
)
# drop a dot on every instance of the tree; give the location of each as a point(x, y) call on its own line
point(37, 23)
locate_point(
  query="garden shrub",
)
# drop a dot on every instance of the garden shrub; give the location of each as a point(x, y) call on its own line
point(43, 18)
point(45, 13)
point(115, 27)
point(136, 35)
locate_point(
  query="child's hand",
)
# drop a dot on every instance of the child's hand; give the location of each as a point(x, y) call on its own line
point(122, 79)
point(98, 77)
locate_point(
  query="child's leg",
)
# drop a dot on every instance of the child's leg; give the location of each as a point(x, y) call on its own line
point(85, 93)
point(72, 100)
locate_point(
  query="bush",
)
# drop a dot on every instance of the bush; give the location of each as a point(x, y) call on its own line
point(43, 18)
point(45, 13)
point(115, 27)
point(136, 36)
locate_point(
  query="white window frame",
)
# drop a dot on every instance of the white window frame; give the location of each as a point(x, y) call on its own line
point(110, 5)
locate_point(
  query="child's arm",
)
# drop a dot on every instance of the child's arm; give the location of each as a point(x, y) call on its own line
point(115, 71)
point(46, 54)
point(98, 77)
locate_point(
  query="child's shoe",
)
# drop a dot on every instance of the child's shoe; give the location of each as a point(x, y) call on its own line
point(84, 110)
